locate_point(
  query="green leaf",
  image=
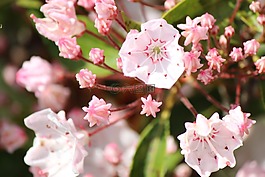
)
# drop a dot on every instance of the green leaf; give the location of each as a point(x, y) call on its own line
point(150, 155)
point(181, 10)
point(29, 4)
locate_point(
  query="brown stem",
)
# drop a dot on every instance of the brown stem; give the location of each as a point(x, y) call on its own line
point(187, 104)
point(111, 69)
point(131, 105)
point(238, 92)
point(232, 18)
point(114, 44)
point(158, 7)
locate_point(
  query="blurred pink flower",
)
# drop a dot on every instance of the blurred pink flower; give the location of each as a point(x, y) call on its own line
point(171, 145)
point(97, 112)
point(255, 6)
point(251, 169)
point(86, 78)
point(208, 145)
point(260, 65)
point(168, 4)
point(182, 170)
point(68, 47)
point(251, 47)
point(112, 153)
point(150, 106)
point(87, 4)
point(152, 55)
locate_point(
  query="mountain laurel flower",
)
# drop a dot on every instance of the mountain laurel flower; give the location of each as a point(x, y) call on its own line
point(251, 169)
point(236, 54)
point(106, 9)
point(261, 19)
point(229, 31)
point(214, 30)
point(119, 63)
point(87, 4)
point(86, 78)
point(58, 148)
point(208, 145)
point(205, 76)
point(255, 6)
point(97, 112)
point(97, 56)
point(12, 136)
point(223, 41)
point(207, 20)
point(260, 65)
point(251, 47)
point(68, 48)
point(214, 59)
point(192, 31)
point(103, 26)
point(150, 106)
point(35, 74)
point(238, 121)
point(60, 20)
point(192, 61)
point(112, 153)
point(168, 4)
point(152, 55)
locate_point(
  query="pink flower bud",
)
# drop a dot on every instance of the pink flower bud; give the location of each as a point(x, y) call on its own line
point(183, 170)
point(168, 4)
point(97, 56)
point(260, 65)
point(106, 9)
point(197, 47)
point(251, 47)
point(68, 48)
point(236, 54)
point(192, 61)
point(207, 20)
point(103, 25)
point(9, 74)
point(215, 30)
point(119, 63)
point(97, 112)
point(255, 6)
point(229, 31)
point(261, 19)
point(205, 76)
point(86, 78)
point(223, 41)
point(214, 59)
point(87, 4)
point(112, 153)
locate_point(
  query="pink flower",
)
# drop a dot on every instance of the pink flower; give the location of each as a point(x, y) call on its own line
point(53, 96)
point(37, 172)
point(214, 59)
point(106, 9)
point(251, 169)
point(238, 122)
point(58, 148)
point(255, 6)
point(168, 4)
point(86, 78)
point(192, 31)
point(171, 145)
point(236, 54)
point(182, 170)
point(103, 25)
point(97, 112)
point(119, 63)
point(112, 153)
point(229, 31)
point(68, 48)
point(150, 106)
point(152, 55)
point(197, 47)
point(97, 56)
point(261, 19)
point(205, 76)
point(35, 74)
point(87, 4)
point(207, 20)
point(223, 41)
point(208, 145)
point(12, 136)
point(251, 47)
point(260, 65)
point(214, 31)
point(60, 20)
point(192, 61)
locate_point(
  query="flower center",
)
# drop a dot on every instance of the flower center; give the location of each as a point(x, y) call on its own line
point(156, 50)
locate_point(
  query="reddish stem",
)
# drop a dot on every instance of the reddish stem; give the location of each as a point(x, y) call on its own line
point(187, 104)
point(232, 18)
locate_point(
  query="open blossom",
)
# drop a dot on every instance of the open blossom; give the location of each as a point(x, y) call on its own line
point(106, 9)
point(35, 74)
point(152, 55)
point(208, 145)
point(214, 59)
point(236, 54)
point(60, 20)
point(58, 148)
point(192, 31)
point(97, 112)
point(192, 61)
point(251, 47)
point(87, 4)
point(97, 56)
point(68, 47)
point(238, 121)
point(260, 65)
point(150, 106)
point(86, 78)
point(205, 76)
point(12, 136)
point(207, 20)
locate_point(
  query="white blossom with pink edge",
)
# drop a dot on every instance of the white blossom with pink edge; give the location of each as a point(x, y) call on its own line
point(251, 47)
point(35, 74)
point(208, 145)
point(238, 121)
point(86, 78)
point(192, 31)
point(97, 56)
point(68, 47)
point(97, 112)
point(251, 169)
point(192, 61)
point(12, 136)
point(58, 148)
point(152, 55)
point(150, 106)
point(60, 20)
point(260, 65)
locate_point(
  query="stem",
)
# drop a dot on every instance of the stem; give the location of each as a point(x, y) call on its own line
point(238, 92)
point(97, 36)
point(111, 69)
point(131, 105)
point(169, 103)
point(188, 104)
point(158, 7)
point(114, 44)
point(232, 18)
point(121, 24)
